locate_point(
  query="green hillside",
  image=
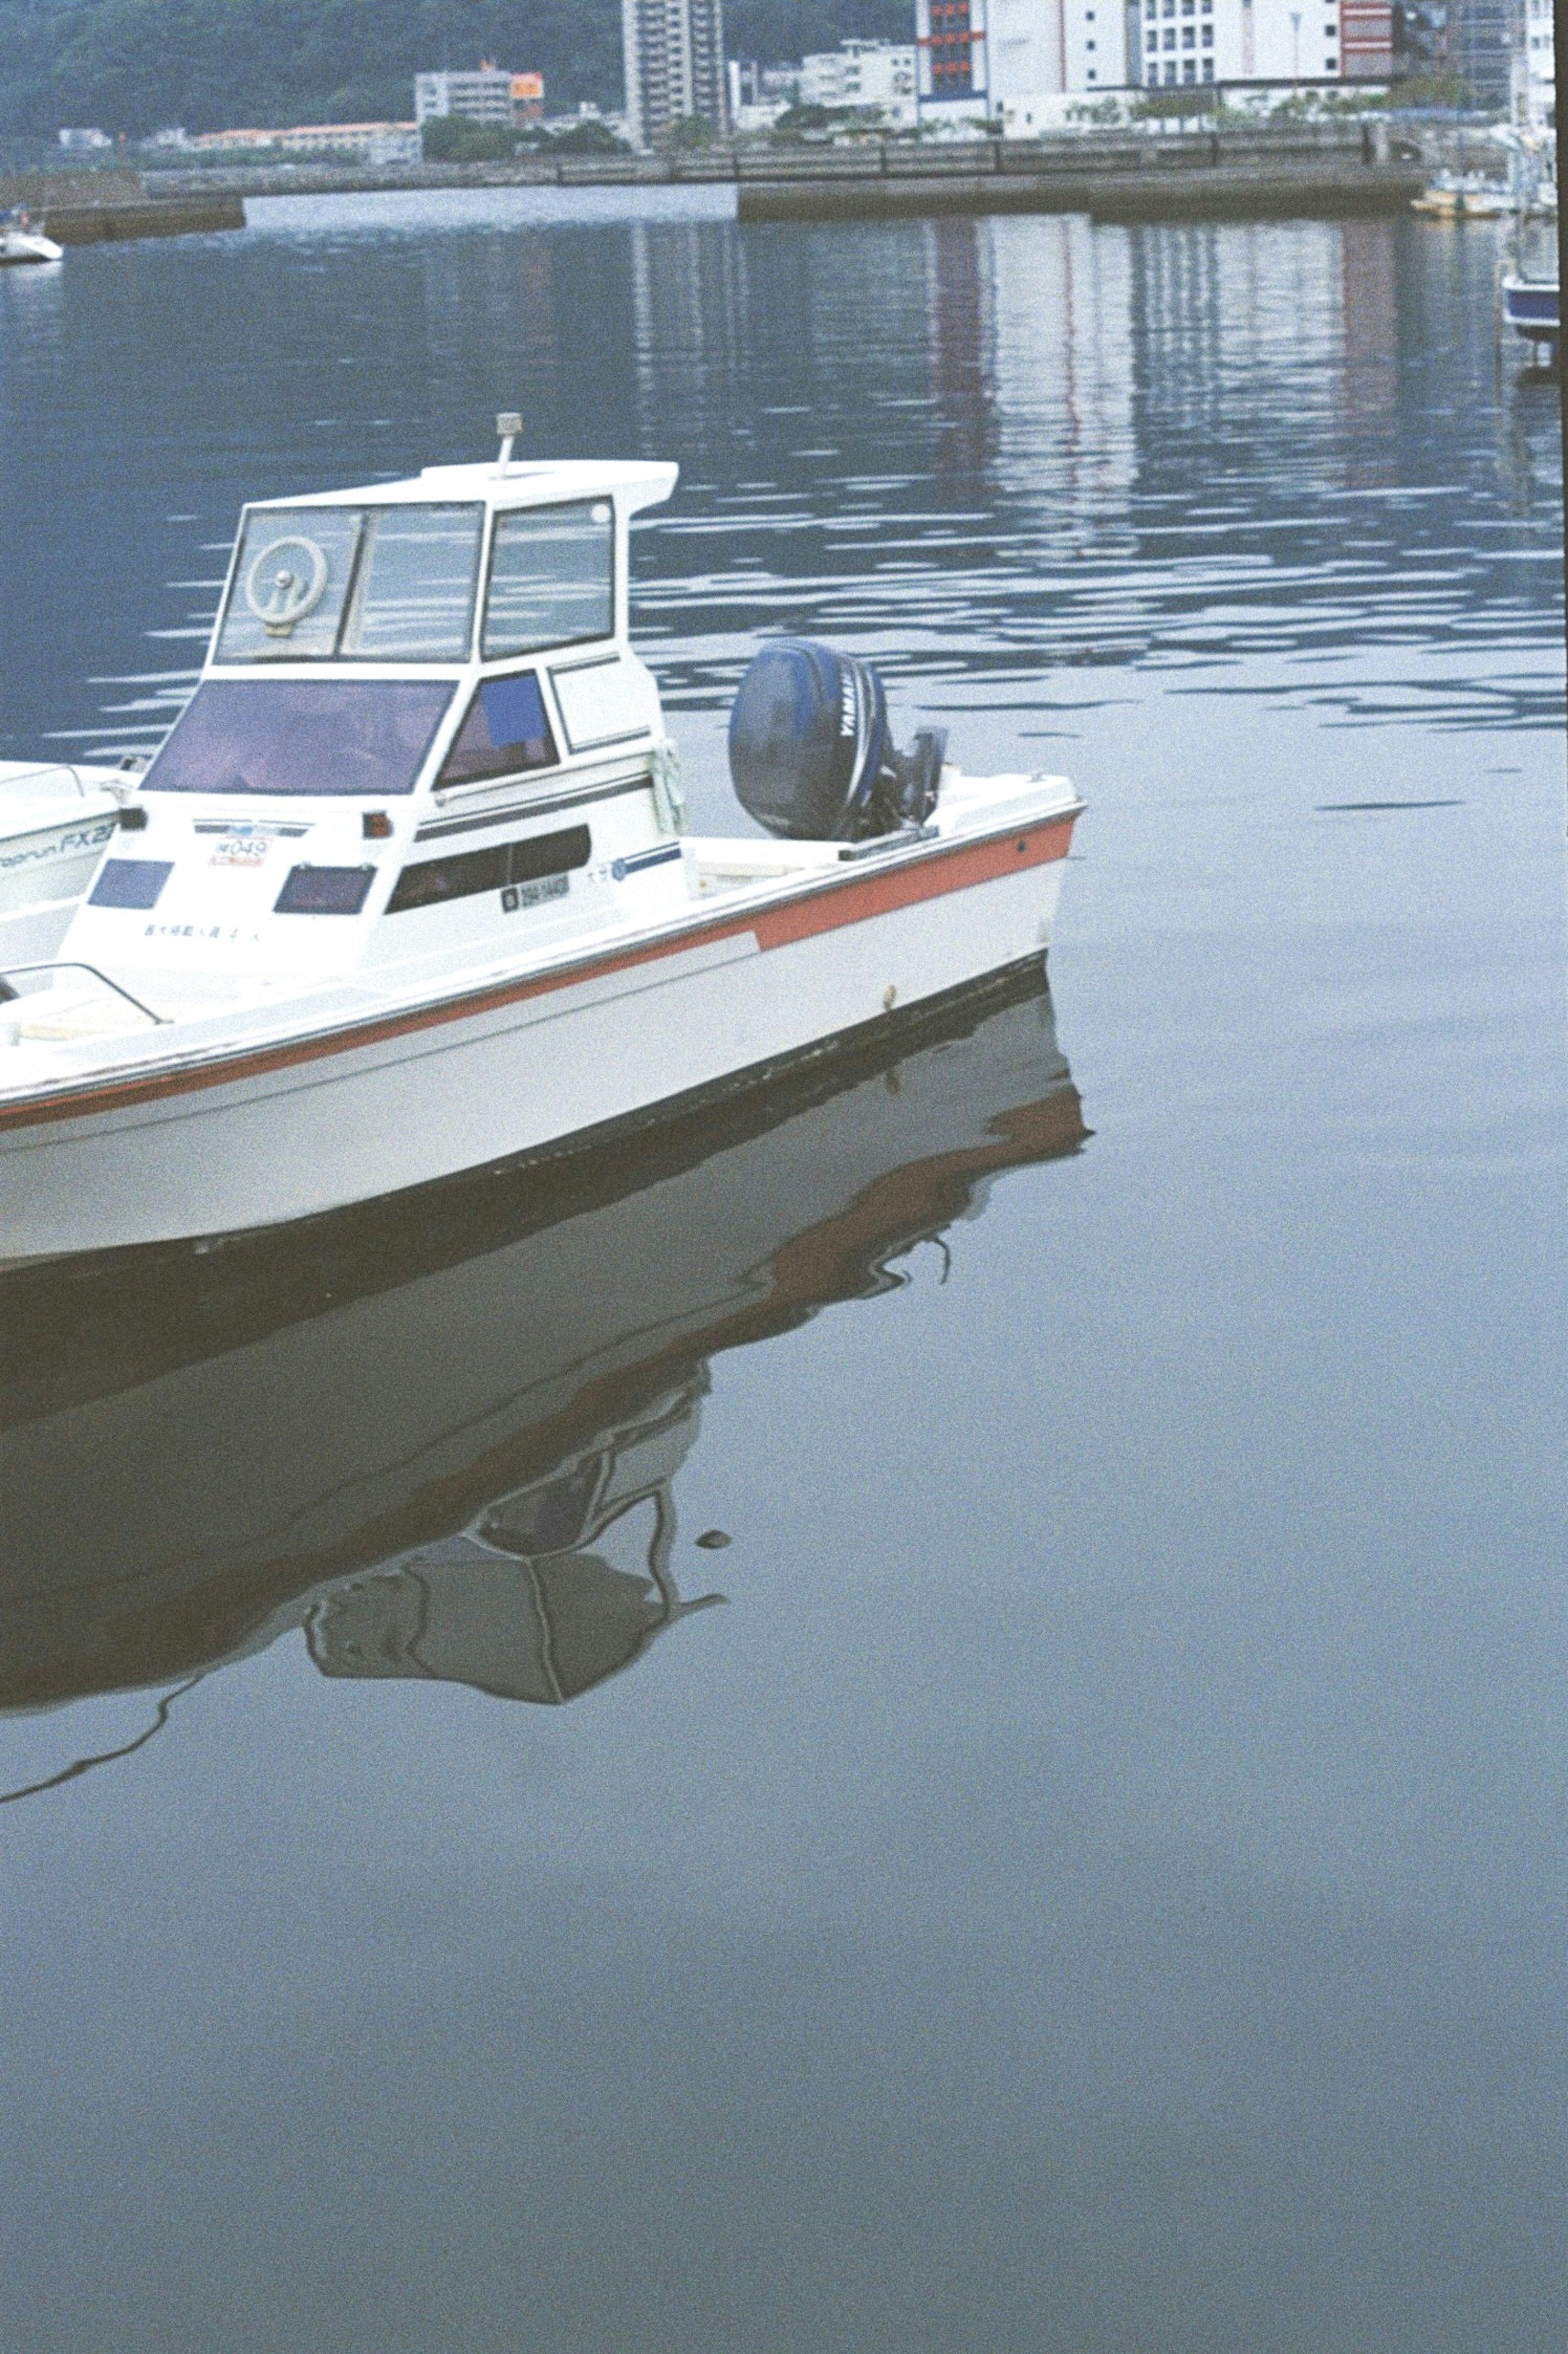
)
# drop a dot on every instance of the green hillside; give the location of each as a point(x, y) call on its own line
point(133, 65)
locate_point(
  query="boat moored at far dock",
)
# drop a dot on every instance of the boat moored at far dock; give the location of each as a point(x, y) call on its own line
point(408, 891)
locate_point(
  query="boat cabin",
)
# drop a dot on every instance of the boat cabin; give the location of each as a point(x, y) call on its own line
point(420, 724)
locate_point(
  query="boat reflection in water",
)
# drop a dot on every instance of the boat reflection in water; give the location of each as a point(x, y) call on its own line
point(440, 1434)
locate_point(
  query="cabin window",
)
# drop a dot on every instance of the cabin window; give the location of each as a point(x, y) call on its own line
point(324, 890)
point(310, 737)
point(538, 860)
point(353, 584)
point(413, 586)
point(130, 882)
point(551, 578)
point(505, 731)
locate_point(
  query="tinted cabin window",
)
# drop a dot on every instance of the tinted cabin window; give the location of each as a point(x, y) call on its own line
point(324, 890)
point(505, 731)
point(301, 735)
point(471, 871)
point(131, 882)
point(551, 578)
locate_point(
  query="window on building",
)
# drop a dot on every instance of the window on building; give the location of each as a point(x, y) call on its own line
point(1208, 70)
point(1189, 38)
point(1170, 36)
point(1088, 44)
point(1189, 69)
point(1152, 39)
point(1169, 72)
point(1208, 36)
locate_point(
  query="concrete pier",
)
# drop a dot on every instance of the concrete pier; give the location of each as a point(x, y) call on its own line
point(1162, 171)
point(99, 208)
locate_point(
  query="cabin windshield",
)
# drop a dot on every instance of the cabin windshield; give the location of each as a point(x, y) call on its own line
point(353, 584)
point(302, 735)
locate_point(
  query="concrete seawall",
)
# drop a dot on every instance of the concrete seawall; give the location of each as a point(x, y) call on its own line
point(1202, 192)
point(1164, 172)
point(168, 217)
point(98, 207)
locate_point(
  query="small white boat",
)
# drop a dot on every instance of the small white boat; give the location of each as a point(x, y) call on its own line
point(20, 243)
point(408, 891)
point(1464, 195)
point(56, 819)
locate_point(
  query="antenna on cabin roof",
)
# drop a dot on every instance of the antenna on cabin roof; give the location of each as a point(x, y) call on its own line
point(509, 425)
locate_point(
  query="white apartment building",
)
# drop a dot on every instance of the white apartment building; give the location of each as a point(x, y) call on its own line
point(869, 74)
point(1183, 41)
point(1016, 59)
point(1021, 60)
point(481, 97)
point(1536, 69)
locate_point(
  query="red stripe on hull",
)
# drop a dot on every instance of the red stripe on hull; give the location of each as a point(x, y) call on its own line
point(825, 907)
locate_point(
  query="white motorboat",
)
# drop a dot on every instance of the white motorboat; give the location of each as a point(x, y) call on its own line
point(56, 819)
point(20, 243)
point(409, 892)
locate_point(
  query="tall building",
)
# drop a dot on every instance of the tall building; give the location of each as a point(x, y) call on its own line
point(1018, 60)
point(674, 65)
point(1176, 42)
point(1536, 69)
point(1480, 50)
point(1008, 58)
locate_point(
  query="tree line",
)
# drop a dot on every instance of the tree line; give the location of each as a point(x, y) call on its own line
point(139, 66)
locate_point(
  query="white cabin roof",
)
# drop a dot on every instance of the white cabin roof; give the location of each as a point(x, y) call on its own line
point(635, 483)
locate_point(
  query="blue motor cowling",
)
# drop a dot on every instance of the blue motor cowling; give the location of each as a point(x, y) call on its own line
point(810, 751)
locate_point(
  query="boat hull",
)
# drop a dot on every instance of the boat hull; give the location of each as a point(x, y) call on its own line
point(22, 249)
point(1533, 308)
point(287, 1131)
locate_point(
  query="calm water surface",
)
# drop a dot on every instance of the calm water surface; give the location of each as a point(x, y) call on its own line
point(1095, 1880)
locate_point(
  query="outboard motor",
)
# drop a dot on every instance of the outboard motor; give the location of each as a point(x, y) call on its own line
point(810, 752)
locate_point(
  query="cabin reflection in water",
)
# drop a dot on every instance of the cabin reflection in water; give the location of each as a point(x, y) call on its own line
point(440, 1435)
point(520, 1605)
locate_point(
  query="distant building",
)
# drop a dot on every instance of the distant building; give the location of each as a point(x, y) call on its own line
point(528, 97)
point(1009, 60)
point(1536, 69)
point(1472, 43)
point(873, 75)
point(79, 139)
point(367, 142)
point(1267, 41)
point(674, 65)
point(1016, 61)
point(1480, 50)
point(749, 112)
point(484, 96)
